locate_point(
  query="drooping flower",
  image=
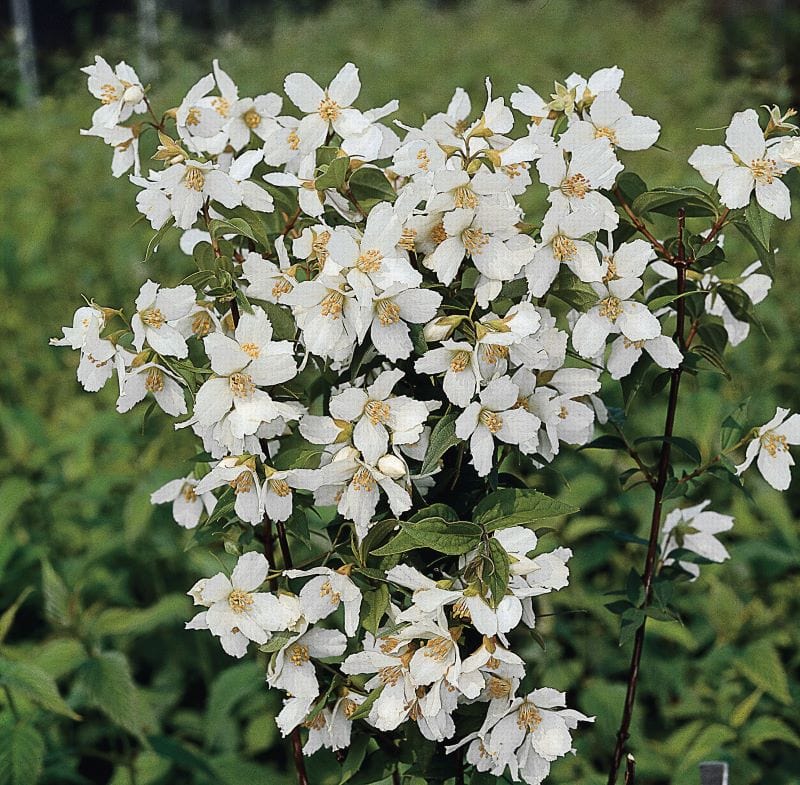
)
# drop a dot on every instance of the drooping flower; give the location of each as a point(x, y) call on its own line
point(694, 529)
point(770, 449)
point(187, 504)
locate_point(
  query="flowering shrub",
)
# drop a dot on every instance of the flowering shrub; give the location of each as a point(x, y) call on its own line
point(380, 350)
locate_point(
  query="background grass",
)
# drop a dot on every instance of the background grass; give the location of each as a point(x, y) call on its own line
point(102, 574)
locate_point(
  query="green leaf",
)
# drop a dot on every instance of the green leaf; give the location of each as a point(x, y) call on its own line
point(7, 619)
point(368, 182)
point(761, 664)
point(659, 302)
point(229, 688)
point(377, 534)
point(518, 507)
point(35, 685)
point(283, 326)
point(14, 492)
point(764, 252)
point(451, 538)
point(56, 597)
point(630, 621)
point(355, 757)
point(742, 712)
point(364, 709)
point(400, 543)
point(631, 185)
point(277, 641)
point(437, 510)
point(443, 437)
point(686, 446)
point(21, 755)
point(374, 604)
point(156, 239)
point(204, 258)
point(106, 681)
point(764, 728)
point(497, 581)
point(167, 611)
point(174, 751)
point(668, 200)
point(576, 293)
point(713, 357)
point(606, 442)
point(760, 222)
point(334, 174)
point(734, 425)
point(236, 226)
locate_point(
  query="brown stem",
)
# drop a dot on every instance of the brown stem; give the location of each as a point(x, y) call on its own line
point(718, 224)
point(630, 770)
point(269, 548)
point(623, 733)
point(640, 225)
point(352, 199)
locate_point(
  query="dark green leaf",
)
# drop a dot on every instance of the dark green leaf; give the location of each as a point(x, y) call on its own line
point(443, 437)
point(156, 239)
point(518, 507)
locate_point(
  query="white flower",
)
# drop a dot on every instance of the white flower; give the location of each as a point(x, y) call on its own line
point(331, 728)
point(754, 284)
point(201, 119)
point(460, 366)
point(770, 449)
point(187, 504)
point(601, 81)
point(323, 594)
point(749, 161)
point(268, 281)
point(609, 117)
point(252, 115)
point(574, 185)
point(156, 309)
point(118, 89)
point(418, 157)
point(190, 184)
point(329, 109)
point(496, 416)
point(561, 243)
point(240, 364)
point(236, 609)
point(292, 670)
point(376, 415)
point(528, 102)
point(624, 353)
point(125, 142)
point(139, 380)
point(240, 476)
point(254, 196)
point(694, 529)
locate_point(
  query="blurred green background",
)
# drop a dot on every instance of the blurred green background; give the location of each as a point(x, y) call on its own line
point(92, 578)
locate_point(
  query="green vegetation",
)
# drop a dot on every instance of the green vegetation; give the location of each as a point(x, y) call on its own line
point(92, 578)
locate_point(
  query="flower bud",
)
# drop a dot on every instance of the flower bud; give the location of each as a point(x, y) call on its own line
point(440, 328)
point(346, 453)
point(790, 151)
point(133, 94)
point(392, 466)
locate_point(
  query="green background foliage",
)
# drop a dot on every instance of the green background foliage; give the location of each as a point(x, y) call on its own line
point(99, 681)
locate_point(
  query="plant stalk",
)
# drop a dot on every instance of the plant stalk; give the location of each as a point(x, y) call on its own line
point(680, 263)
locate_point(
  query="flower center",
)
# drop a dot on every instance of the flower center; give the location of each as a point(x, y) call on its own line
point(611, 269)
point(765, 170)
point(243, 483)
point(363, 480)
point(202, 325)
point(492, 353)
point(280, 487)
point(564, 248)
point(528, 717)
point(194, 178)
point(188, 493)
point(293, 140)
point(474, 240)
point(299, 655)
point(438, 233)
point(576, 186)
point(328, 109)
point(317, 723)
point(604, 131)
point(369, 261)
point(239, 600)
point(253, 349)
point(498, 688)
point(407, 239)
point(377, 411)
point(241, 384)
point(319, 246)
point(155, 380)
point(152, 317)
point(222, 106)
point(332, 304)
point(492, 420)
point(108, 94)
point(563, 413)
point(388, 312)
point(461, 609)
point(193, 116)
point(465, 197)
point(459, 361)
point(326, 590)
point(774, 443)
point(629, 344)
point(390, 674)
point(280, 287)
point(349, 707)
point(437, 648)
point(423, 160)
point(252, 118)
point(611, 308)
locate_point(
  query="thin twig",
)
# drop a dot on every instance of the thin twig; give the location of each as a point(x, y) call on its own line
point(718, 224)
point(623, 733)
point(640, 225)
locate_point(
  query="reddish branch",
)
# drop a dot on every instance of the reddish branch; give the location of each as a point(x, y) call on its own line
point(680, 263)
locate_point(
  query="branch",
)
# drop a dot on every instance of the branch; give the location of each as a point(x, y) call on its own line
point(718, 224)
point(623, 733)
point(640, 225)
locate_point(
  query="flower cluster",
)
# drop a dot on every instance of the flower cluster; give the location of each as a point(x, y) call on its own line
point(377, 341)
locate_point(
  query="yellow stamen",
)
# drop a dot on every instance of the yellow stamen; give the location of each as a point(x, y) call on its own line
point(492, 420)
point(241, 384)
point(577, 186)
point(239, 600)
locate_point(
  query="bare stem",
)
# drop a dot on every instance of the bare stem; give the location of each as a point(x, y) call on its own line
point(640, 225)
point(662, 473)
